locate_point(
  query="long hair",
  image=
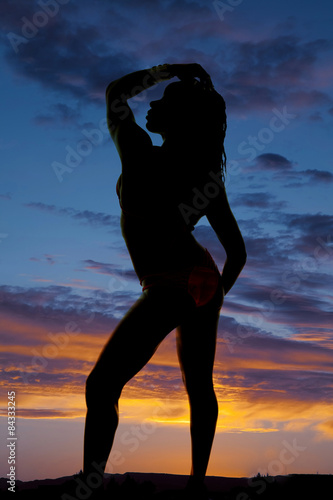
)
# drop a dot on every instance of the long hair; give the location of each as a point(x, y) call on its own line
point(206, 119)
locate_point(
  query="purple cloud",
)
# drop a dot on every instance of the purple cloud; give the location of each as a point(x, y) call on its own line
point(272, 161)
point(95, 219)
point(254, 75)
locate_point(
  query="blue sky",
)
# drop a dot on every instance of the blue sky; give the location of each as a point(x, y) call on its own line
point(62, 258)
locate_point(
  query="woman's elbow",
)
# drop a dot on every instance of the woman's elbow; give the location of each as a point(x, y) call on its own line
point(109, 89)
point(238, 259)
point(242, 254)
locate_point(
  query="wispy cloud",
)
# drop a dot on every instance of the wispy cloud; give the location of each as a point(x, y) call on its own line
point(47, 258)
point(60, 114)
point(287, 171)
point(7, 196)
point(110, 269)
point(95, 219)
point(315, 175)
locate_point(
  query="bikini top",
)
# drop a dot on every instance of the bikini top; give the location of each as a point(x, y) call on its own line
point(184, 226)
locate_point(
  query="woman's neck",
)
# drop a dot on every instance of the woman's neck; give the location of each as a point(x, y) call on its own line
point(182, 146)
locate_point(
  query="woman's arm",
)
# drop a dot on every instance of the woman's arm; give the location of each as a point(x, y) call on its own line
point(119, 91)
point(132, 84)
point(226, 228)
point(130, 139)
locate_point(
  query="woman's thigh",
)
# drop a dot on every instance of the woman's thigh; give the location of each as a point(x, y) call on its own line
point(135, 339)
point(196, 345)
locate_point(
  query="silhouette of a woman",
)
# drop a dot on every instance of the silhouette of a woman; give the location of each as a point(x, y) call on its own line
point(163, 192)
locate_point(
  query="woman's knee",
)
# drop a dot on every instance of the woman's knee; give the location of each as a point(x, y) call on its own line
point(200, 391)
point(92, 387)
point(101, 389)
point(204, 403)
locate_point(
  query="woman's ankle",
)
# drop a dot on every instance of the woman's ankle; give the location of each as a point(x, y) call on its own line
point(195, 482)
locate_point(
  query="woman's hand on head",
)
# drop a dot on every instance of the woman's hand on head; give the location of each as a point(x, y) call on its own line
point(190, 72)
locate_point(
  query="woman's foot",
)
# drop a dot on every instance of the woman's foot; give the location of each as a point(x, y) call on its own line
point(88, 486)
point(196, 489)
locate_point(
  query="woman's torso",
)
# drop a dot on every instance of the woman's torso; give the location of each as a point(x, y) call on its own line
point(158, 237)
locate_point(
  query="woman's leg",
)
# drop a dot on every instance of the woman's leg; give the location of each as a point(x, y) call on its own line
point(196, 344)
point(131, 345)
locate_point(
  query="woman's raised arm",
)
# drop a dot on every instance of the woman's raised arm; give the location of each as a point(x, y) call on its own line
point(134, 83)
point(129, 138)
point(119, 91)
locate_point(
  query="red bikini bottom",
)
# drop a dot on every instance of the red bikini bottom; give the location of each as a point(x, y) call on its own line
point(200, 281)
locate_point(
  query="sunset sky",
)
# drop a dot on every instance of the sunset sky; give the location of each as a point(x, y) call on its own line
point(66, 277)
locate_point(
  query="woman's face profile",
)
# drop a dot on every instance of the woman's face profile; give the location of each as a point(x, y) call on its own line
point(156, 116)
point(159, 116)
point(168, 112)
